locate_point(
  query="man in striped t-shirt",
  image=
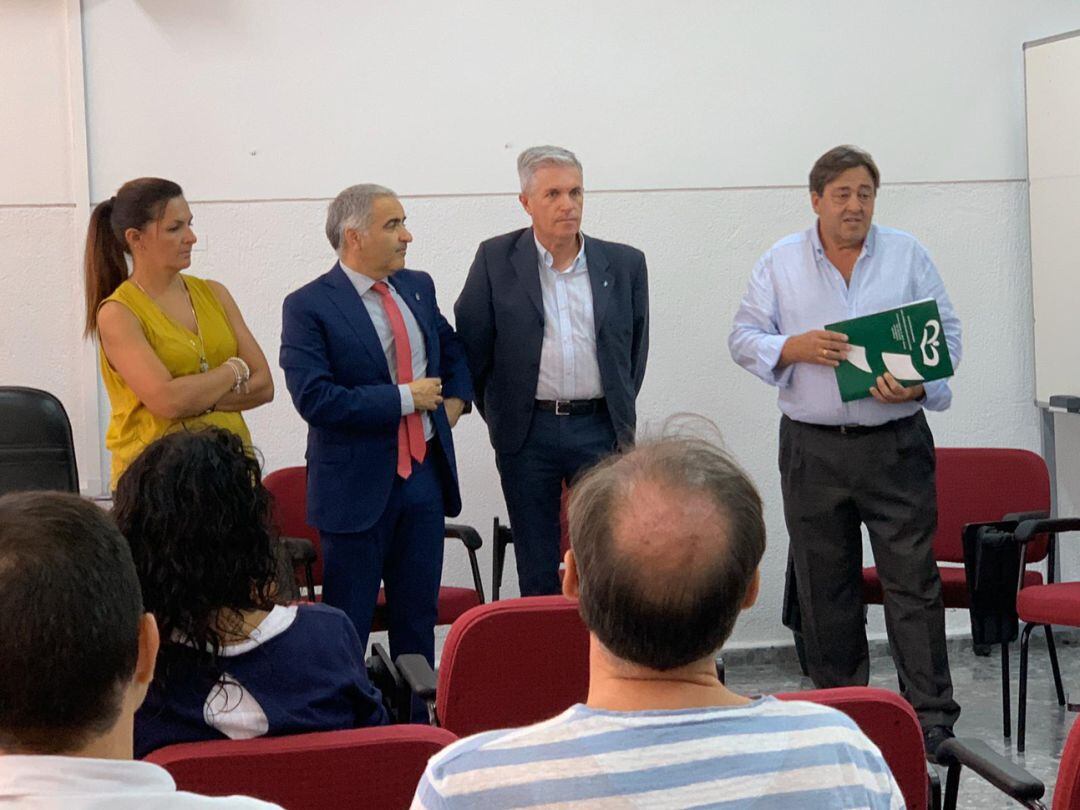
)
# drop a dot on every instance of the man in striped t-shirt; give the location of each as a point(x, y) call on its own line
point(666, 541)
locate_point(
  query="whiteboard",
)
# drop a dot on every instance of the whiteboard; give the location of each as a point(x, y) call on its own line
point(278, 99)
point(1052, 79)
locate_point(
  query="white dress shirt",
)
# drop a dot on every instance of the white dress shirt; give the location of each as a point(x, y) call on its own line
point(568, 365)
point(82, 783)
point(373, 304)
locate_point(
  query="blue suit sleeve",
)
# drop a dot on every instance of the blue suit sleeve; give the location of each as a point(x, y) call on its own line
point(475, 317)
point(639, 349)
point(319, 399)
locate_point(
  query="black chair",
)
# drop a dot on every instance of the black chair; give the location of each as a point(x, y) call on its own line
point(36, 447)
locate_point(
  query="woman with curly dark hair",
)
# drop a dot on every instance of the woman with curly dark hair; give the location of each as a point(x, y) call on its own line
point(232, 664)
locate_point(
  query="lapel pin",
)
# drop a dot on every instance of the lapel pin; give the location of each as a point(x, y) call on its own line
point(417, 296)
point(605, 283)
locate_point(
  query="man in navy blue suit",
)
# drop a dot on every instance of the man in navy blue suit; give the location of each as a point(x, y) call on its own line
point(556, 328)
point(380, 378)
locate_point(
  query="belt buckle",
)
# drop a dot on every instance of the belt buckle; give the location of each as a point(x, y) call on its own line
point(559, 403)
point(844, 430)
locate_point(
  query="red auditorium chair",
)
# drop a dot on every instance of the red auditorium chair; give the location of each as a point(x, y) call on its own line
point(505, 664)
point(1039, 605)
point(1010, 778)
point(289, 487)
point(979, 485)
point(890, 723)
point(355, 769)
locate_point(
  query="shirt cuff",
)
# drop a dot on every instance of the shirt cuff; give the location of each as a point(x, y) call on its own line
point(771, 347)
point(938, 395)
point(407, 404)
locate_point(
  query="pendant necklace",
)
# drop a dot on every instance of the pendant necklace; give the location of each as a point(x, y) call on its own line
point(200, 348)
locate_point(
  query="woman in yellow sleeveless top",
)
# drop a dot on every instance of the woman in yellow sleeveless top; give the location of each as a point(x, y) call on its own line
point(174, 349)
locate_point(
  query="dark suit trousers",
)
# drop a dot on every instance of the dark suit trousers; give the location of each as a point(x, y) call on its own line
point(833, 482)
point(404, 552)
point(556, 449)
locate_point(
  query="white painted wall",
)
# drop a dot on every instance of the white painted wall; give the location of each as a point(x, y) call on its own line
point(439, 97)
point(724, 105)
point(43, 206)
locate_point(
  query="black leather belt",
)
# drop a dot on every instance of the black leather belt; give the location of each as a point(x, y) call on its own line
point(570, 407)
point(859, 430)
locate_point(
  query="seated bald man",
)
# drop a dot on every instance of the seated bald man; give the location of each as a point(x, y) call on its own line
point(78, 655)
point(665, 545)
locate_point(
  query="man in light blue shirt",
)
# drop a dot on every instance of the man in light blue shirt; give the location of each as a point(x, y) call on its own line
point(870, 461)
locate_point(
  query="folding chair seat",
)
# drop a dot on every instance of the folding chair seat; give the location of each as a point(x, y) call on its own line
point(289, 487)
point(1056, 603)
point(891, 724)
point(507, 663)
point(954, 586)
point(36, 448)
point(355, 769)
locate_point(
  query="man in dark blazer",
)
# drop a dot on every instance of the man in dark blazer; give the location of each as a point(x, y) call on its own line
point(380, 378)
point(556, 329)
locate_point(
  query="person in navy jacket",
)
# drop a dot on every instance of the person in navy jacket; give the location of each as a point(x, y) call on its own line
point(555, 324)
point(380, 377)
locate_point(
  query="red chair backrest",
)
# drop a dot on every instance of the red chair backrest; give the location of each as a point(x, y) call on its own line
point(511, 663)
point(289, 488)
point(890, 723)
point(348, 770)
point(1067, 790)
point(979, 484)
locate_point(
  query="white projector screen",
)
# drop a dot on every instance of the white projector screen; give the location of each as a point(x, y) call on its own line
point(1052, 78)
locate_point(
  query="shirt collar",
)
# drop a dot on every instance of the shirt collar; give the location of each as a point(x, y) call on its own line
point(361, 282)
point(548, 261)
point(42, 775)
point(868, 243)
point(277, 621)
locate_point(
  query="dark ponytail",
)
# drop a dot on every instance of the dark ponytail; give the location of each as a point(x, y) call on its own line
point(135, 204)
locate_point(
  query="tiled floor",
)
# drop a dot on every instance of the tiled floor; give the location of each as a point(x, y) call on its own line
point(977, 687)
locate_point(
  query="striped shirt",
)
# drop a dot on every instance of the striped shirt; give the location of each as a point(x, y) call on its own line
point(765, 754)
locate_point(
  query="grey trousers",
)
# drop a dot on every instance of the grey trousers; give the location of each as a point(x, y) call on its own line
point(832, 482)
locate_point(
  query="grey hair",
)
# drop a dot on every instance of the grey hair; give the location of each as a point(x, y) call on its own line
point(536, 157)
point(352, 209)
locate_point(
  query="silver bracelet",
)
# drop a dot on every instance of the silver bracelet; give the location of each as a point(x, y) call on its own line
point(242, 371)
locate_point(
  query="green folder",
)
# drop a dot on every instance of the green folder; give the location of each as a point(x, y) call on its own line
point(908, 342)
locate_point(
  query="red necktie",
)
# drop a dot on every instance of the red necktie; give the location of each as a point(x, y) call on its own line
point(411, 442)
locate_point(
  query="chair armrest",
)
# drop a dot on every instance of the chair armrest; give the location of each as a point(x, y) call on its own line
point(418, 674)
point(1029, 528)
point(999, 771)
point(1020, 517)
point(466, 534)
point(380, 663)
point(386, 677)
point(299, 550)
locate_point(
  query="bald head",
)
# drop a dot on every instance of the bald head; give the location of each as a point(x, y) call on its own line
point(667, 540)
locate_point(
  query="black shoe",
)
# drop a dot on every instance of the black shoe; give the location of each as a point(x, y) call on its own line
point(933, 737)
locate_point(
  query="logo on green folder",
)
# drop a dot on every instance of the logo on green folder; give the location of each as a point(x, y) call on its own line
point(908, 342)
